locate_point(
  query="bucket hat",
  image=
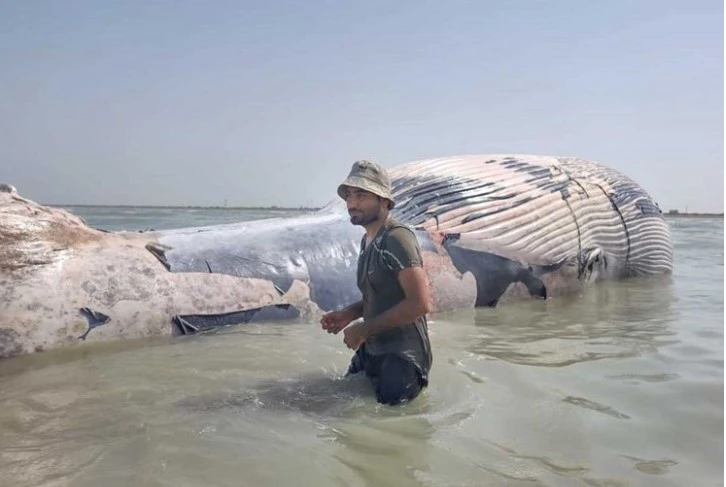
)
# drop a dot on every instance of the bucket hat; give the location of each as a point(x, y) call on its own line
point(368, 176)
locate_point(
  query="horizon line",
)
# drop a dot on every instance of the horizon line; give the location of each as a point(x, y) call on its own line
point(215, 207)
point(671, 212)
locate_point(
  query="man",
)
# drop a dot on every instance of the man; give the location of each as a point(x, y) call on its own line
point(391, 343)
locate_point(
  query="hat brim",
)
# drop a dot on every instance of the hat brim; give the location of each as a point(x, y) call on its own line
point(365, 185)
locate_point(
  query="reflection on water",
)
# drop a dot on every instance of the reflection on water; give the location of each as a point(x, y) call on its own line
point(619, 386)
point(609, 320)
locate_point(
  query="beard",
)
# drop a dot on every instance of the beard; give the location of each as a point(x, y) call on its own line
point(364, 218)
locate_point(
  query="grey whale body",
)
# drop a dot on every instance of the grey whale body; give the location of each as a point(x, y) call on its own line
point(492, 228)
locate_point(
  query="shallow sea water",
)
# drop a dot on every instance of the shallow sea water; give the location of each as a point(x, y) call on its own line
point(621, 385)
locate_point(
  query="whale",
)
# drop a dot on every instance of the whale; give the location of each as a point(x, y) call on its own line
point(493, 229)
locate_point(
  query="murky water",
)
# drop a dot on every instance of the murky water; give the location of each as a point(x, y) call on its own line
point(622, 385)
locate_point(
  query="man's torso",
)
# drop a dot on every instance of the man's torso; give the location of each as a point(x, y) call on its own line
point(394, 248)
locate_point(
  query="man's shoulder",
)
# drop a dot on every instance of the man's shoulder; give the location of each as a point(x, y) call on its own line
point(399, 229)
point(402, 235)
point(401, 245)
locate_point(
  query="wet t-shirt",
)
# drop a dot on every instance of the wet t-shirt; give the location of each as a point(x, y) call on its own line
point(393, 249)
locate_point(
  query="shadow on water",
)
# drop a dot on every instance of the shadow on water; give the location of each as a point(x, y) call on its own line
point(312, 394)
point(608, 320)
point(363, 442)
point(316, 395)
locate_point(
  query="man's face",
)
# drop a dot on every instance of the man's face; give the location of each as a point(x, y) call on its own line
point(363, 207)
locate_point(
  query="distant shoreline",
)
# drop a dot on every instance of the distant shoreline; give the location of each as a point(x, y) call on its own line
point(300, 209)
point(693, 215)
point(155, 207)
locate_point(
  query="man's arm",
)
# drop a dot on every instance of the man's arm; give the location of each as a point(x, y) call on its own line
point(354, 310)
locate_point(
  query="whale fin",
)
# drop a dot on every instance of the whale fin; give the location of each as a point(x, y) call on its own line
point(192, 324)
point(159, 250)
point(534, 285)
point(95, 319)
point(493, 273)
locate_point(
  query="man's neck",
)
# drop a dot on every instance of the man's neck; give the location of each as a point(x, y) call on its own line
point(373, 228)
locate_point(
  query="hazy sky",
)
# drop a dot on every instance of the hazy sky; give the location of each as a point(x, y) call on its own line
point(262, 103)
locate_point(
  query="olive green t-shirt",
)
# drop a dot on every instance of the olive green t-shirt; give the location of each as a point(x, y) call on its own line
point(394, 248)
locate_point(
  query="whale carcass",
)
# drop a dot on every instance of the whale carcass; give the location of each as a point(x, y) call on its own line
point(492, 228)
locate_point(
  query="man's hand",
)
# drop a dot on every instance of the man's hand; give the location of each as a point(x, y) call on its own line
point(335, 321)
point(355, 335)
